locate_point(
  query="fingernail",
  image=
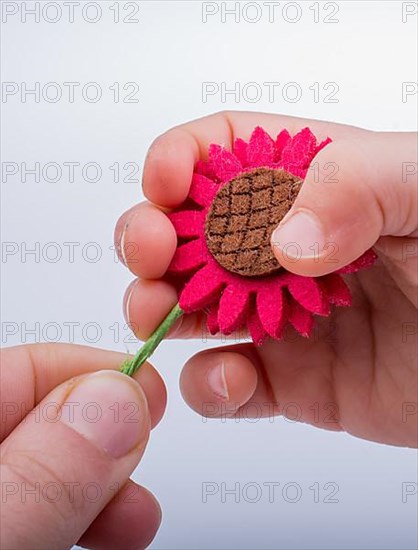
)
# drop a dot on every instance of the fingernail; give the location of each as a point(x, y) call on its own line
point(300, 236)
point(217, 381)
point(122, 243)
point(127, 300)
point(110, 410)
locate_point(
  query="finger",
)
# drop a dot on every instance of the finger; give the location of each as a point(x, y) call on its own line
point(234, 382)
point(218, 383)
point(336, 219)
point(170, 161)
point(146, 303)
point(29, 373)
point(145, 241)
point(171, 158)
point(130, 520)
point(83, 440)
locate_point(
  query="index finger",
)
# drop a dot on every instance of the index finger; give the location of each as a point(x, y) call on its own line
point(30, 372)
point(171, 158)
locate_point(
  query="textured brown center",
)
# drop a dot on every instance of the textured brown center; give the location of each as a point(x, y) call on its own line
point(242, 217)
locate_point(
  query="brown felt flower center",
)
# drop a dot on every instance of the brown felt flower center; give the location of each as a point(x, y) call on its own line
point(242, 217)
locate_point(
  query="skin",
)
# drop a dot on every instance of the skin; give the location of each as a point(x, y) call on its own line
point(38, 451)
point(359, 371)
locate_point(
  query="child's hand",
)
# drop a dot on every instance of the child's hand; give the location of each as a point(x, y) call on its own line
point(69, 445)
point(358, 372)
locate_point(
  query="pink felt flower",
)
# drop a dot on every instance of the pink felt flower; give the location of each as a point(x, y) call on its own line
point(224, 254)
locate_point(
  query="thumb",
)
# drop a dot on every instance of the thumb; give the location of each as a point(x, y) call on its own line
point(69, 457)
point(355, 191)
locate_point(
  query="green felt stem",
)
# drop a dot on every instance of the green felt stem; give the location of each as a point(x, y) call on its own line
point(130, 366)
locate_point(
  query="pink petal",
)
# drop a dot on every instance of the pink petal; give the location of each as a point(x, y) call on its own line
point(258, 334)
point(260, 148)
point(204, 168)
point(309, 294)
point(271, 308)
point(188, 223)
point(188, 257)
point(366, 260)
point(301, 319)
point(240, 151)
point(202, 289)
point(323, 144)
point(233, 307)
point(300, 172)
point(225, 164)
point(212, 319)
point(281, 141)
point(202, 190)
point(299, 152)
point(336, 289)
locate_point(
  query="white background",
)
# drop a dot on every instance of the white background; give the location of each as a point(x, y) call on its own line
point(170, 52)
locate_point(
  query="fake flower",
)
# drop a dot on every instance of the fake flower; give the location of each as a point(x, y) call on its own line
point(224, 255)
